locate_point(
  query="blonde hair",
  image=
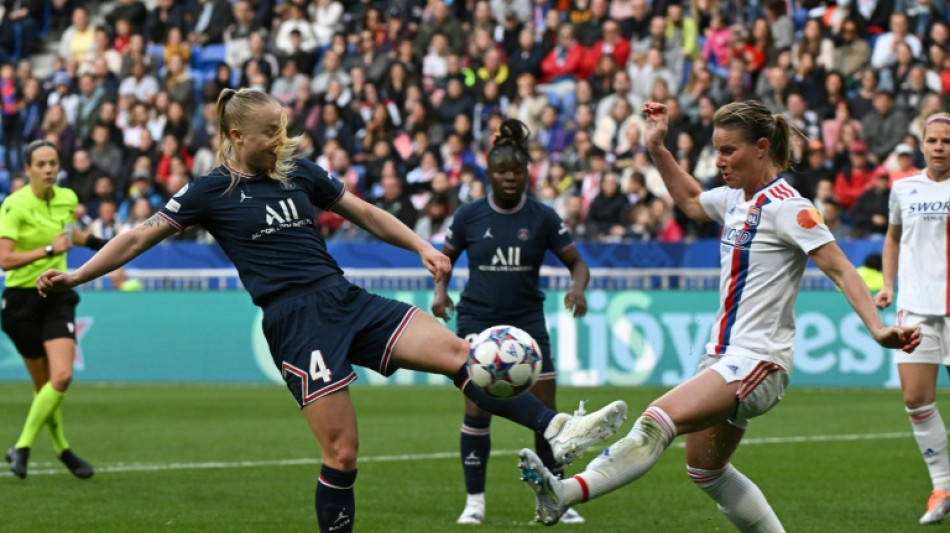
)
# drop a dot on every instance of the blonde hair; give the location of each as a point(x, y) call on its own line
point(235, 110)
point(755, 122)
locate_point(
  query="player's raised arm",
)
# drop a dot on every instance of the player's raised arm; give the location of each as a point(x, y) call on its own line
point(386, 227)
point(117, 252)
point(683, 188)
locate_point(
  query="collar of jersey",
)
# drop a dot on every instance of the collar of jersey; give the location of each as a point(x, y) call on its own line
point(515, 209)
point(238, 173)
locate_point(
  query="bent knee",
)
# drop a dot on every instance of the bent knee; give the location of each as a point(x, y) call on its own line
point(61, 380)
point(916, 400)
point(340, 457)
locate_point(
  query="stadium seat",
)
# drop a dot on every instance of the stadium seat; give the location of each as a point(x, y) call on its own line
point(210, 55)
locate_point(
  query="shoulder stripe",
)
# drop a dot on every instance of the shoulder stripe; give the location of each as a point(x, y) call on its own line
point(168, 219)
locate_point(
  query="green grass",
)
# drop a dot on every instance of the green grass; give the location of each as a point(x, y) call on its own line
point(196, 436)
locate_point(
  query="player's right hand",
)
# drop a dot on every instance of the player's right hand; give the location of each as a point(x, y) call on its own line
point(442, 306)
point(884, 298)
point(54, 280)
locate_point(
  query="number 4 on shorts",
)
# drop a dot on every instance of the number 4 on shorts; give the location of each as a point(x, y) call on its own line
point(318, 369)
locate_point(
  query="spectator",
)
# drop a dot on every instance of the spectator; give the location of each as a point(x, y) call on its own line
point(327, 17)
point(393, 199)
point(105, 226)
point(815, 168)
point(563, 64)
point(869, 213)
point(441, 22)
point(132, 12)
point(884, 126)
point(140, 85)
point(528, 103)
point(802, 118)
point(237, 36)
point(832, 216)
point(858, 177)
point(91, 97)
point(294, 19)
point(179, 84)
point(455, 102)
point(608, 210)
point(884, 54)
point(79, 38)
point(525, 59)
point(103, 153)
point(265, 61)
point(165, 15)
point(904, 154)
point(285, 87)
point(207, 20)
point(667, 228)
point(142, 201)
point(551, 135)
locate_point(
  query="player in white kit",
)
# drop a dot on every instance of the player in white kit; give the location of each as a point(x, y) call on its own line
point(916, 247)
point(769, 233)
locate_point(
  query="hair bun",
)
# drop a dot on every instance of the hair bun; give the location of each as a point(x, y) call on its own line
point(512, 131)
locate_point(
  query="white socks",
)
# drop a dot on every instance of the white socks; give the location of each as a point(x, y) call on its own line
point(624, 461)
point(931, 435)
point(739, 499)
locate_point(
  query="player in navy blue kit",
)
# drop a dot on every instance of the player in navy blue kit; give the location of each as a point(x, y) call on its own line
point(506, 235)
point(259, 206)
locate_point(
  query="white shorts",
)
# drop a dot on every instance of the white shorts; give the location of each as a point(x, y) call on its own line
point(934, 339)
point(762, 384)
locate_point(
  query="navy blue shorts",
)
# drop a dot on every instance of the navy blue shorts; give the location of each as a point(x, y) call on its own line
point(535, 326)
point(315, 338)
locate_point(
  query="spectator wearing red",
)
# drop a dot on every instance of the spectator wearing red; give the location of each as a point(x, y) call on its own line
point(170, 148)
point(565, 61)
point(905, 164)
point(851, 183)
point(612, 43)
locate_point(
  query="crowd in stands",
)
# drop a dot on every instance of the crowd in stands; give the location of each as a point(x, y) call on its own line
point(400, 98)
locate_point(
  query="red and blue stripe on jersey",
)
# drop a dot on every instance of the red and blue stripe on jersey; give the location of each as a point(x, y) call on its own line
point(739, 272)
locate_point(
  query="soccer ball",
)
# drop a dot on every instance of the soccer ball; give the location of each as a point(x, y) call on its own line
point(504, 361)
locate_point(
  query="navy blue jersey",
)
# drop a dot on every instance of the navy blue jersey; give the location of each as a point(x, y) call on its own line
point(265, 227)
point(505, 251)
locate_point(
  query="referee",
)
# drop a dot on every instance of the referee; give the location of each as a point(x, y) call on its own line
point(35, 234)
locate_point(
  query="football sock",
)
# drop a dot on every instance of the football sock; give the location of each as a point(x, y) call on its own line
point(475, 446)
point(625, 460)
point(739, 499)
point(55, 426)
point(931, 435)
point(526, 410)
point(543, 447)
point(46, 401)
point(334, 500)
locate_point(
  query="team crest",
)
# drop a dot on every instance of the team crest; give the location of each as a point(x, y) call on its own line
point(755, 213)
point(287, 185)
point(181, 191)
point(523, 234)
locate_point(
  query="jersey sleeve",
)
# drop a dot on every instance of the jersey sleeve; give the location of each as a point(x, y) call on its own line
point(325, 189)
point(799, 224)
point(558, 235)
point(894, 208)
point(10, 218)
point(715, 202)
point(455, 236)
point(188, 206)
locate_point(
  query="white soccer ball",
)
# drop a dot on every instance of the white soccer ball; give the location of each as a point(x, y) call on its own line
point(504, 361)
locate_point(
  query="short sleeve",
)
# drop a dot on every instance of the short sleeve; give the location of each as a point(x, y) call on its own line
point(187, 207)
point(799, 224)
point(894, 209)
point(558, 235)
point(455, 236)
point(325, 190)
point(715, 202)
point(10, 221)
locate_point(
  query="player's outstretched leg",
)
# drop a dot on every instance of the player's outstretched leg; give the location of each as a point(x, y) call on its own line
point(568, 435)
point(475, 448)
point(931, 435)
point(623, 462)
point(738, 498)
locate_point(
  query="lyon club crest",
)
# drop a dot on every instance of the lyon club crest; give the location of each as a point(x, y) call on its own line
point(752, 219)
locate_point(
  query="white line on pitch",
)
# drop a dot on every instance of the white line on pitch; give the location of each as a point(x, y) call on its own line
point(158, 467)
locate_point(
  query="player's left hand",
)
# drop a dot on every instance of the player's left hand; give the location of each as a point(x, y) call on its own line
point(436, 263)
point(897, 337)
point(576, 302)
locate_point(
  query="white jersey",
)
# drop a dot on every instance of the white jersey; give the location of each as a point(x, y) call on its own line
point(763, 252)
point(921, 206)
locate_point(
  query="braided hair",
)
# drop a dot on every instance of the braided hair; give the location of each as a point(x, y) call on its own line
point(510, 141)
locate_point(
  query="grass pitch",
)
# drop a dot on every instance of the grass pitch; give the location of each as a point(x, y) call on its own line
point(240, 458)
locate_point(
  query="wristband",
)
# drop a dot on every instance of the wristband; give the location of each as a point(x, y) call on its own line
point(49, 250)
point(95, 243)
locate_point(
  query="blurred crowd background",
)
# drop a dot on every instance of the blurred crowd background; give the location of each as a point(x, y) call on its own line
point(400, 98)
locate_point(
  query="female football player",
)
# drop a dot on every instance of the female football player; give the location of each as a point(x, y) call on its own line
point(512, 225)
point(918, 237)
point(35, 234)
point(258, 206)
point(769, 234)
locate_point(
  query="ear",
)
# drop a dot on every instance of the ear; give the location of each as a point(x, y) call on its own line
point(236, 137)
point(762, 145)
